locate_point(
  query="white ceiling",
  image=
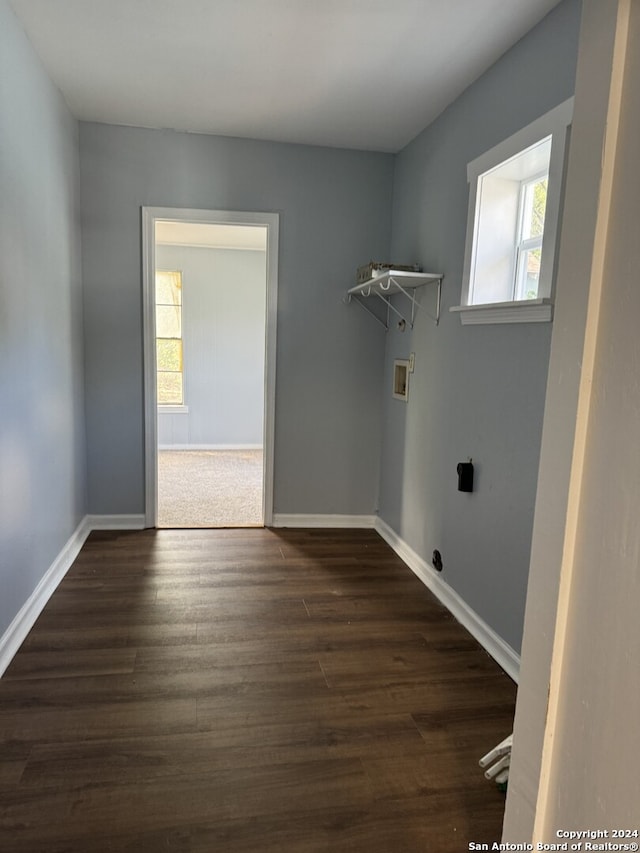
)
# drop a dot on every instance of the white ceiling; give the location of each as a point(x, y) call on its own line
point(348, 73)
point(216, 236)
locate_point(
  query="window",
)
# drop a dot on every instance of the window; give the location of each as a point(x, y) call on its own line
point(169, 338)
point(514, 205)
point(532, 204)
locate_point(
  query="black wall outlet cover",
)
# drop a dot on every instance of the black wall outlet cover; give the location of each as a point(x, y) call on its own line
point(436, 560)
point(465, 477)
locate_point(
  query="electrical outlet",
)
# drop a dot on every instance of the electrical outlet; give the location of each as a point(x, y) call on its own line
point(436, 560)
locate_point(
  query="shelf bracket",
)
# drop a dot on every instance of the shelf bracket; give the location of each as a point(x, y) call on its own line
point(410, 296)
point(391, 284)
point(436, 317)
point(359, 302)
point(391, 307)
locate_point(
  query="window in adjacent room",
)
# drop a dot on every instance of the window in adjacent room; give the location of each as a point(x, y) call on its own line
point(514, 205)
point(170, 382)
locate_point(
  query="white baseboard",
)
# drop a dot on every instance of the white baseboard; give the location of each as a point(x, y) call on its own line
point(25, 619)
point(302, 520)
point(116, 522)
point(209, 447)
point(494, 645)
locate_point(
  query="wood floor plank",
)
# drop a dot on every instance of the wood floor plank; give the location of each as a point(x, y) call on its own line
point(241, 793)
point(364, 607)
point(314, 635)
point(402, 825)
point(66, 663)
point(247, 690)
point(449, 691)
point(84, 722)
point(10, 773)
point(133, 760)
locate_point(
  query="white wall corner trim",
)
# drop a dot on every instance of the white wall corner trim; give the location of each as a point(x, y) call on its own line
point(494, 645)
point(25, 619)
point(328, 521)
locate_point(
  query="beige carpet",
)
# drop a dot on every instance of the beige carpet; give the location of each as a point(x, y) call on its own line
point(210, 488)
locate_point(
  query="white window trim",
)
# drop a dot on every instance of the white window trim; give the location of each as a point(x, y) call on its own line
point(173, 410)
point(522, 311)
point(555, 123)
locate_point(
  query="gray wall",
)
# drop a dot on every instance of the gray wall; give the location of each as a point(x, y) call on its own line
point(477, 391)
point(335, 213)
point(42, 451)
point(223, 330)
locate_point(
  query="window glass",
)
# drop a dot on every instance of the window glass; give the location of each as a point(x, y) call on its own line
point(169, 338)
point(529, 248)
point(535, 203)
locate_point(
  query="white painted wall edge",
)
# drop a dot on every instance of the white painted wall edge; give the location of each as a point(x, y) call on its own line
point(302, 520)
point(25, 619)
point(494, 645)
point(209, 447)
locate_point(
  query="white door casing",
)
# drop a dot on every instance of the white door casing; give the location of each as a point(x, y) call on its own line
point(151, 215)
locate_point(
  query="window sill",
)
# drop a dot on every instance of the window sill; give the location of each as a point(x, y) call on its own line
point(527, 311)
point(173, 410)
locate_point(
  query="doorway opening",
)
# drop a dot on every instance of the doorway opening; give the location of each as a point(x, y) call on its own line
point(210, 280)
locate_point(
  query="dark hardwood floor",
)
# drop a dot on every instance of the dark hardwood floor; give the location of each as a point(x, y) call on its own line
point(248, 690)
